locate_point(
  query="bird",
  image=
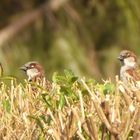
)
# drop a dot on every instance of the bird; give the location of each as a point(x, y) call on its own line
point(130, 76)
point(35, 73)
point(129, 71)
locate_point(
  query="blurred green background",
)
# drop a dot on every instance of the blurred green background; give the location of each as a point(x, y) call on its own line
point(85, 36)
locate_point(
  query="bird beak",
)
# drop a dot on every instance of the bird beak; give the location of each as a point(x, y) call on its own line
point(120, 58)
point(24, 68)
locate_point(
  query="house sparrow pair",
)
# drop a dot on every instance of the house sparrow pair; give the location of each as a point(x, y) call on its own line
point(129, 72)
point(35, 73)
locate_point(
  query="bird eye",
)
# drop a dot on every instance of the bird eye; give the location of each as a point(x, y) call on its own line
point(32, 66)
point(128, 54)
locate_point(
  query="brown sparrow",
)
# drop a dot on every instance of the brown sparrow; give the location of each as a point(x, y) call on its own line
point(35, 73)
point(129, 72)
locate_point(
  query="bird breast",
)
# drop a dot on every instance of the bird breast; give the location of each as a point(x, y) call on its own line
point(123, 74)
point(126, 73)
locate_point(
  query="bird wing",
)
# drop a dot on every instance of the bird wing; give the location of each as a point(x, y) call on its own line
point(133, 78)
point(134, 74)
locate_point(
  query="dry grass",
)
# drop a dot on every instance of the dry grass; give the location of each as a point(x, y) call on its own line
point(74, 109)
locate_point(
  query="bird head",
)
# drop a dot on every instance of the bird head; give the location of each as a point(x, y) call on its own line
point(33, 70)
point(127, 58)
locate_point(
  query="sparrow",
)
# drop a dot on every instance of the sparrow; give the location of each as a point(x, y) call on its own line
point(129, 71)
point(35, 73)
point(130, 76)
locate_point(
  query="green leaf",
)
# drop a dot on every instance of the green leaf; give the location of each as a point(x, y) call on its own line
point(41, 137)
point(68, 73)
point(6, 105)
point(38, 121)
point(46, 101)
point(73, 79)
point(54, 77)
point(49, 119)
point(58, 79)
point(108, 88)
point(39, 124)
point(46, 120)
point(42, 117)
point(65, 90)
point(61, 102)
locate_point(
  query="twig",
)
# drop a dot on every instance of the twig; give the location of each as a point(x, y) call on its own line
point(99, 110)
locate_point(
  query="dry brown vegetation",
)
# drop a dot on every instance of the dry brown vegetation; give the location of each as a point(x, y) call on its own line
point(74, 109)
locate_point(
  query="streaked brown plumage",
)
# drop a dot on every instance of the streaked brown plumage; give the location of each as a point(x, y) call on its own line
point(129, 72)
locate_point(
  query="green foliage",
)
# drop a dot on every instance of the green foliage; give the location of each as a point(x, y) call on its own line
point(75, 108)
point(108, 88)
point(66, 83)
point(6, 105)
